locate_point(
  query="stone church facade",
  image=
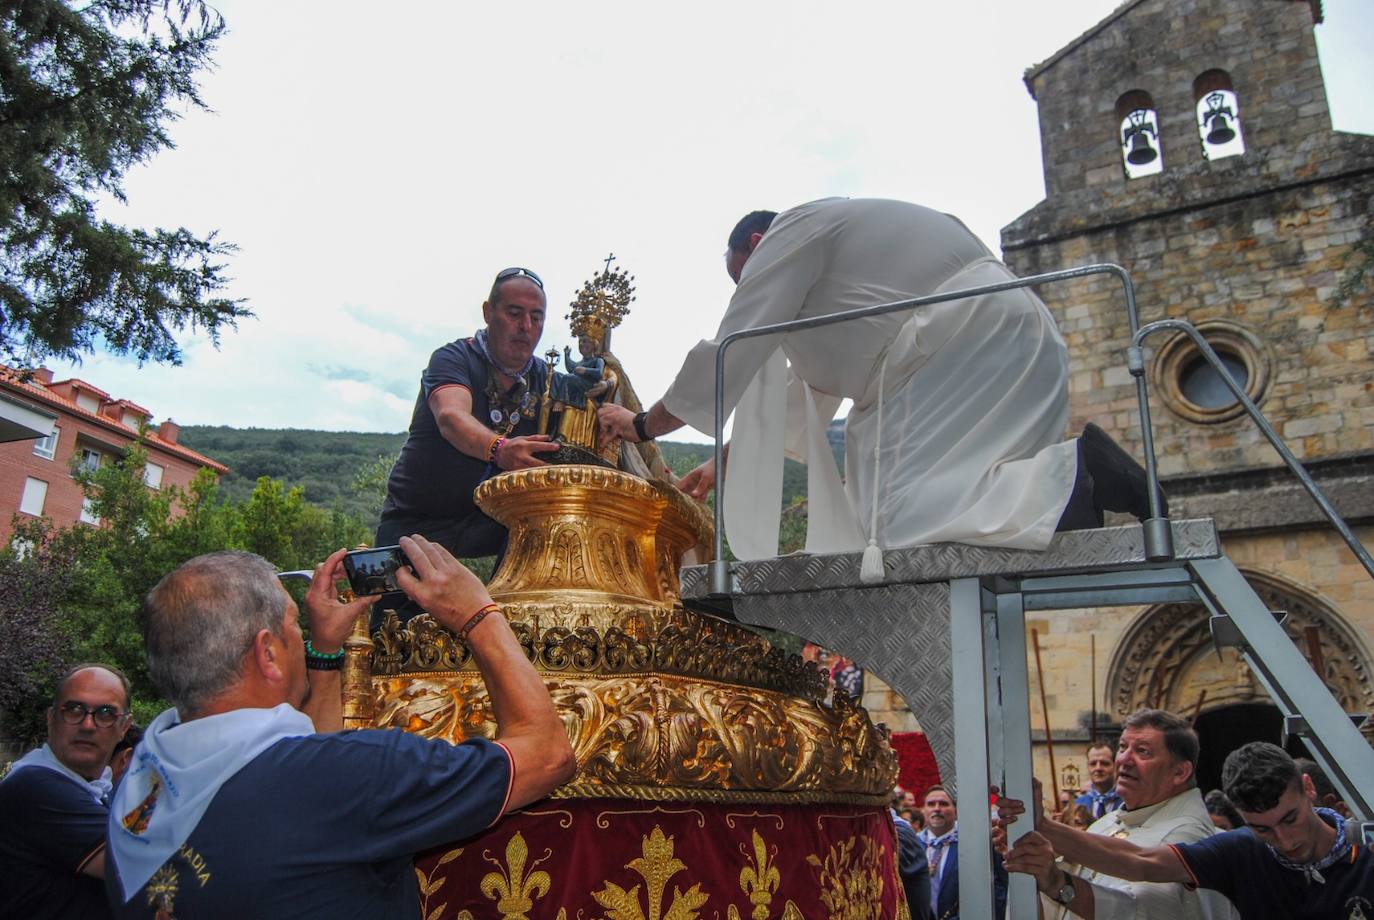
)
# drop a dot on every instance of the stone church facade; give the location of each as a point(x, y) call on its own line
point(1189, 141)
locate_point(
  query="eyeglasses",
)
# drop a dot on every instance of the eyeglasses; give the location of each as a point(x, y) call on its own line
point(508, 273)
point(74, 712)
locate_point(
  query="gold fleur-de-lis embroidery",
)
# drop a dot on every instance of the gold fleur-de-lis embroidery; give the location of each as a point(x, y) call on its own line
point(656, 867)
point(760, 880)
point(513, 890)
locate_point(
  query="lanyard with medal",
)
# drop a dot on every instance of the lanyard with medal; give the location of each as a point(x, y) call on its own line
point(507, 407)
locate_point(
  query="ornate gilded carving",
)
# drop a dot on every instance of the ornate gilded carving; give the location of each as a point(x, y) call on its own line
point(637, 640)
point(566, 535)
point(659, 703)
point(655, 733)
point(1166, 644)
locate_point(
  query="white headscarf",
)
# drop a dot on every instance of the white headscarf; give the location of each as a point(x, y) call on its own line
point(177, 769)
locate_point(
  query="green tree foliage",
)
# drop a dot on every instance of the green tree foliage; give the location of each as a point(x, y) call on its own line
point(87, 90)
point(82, 587)
point(336, 469)
point(33, 584)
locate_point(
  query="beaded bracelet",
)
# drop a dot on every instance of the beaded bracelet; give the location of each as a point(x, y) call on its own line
point(476, 618)
point(494, 449)
point(322, 661)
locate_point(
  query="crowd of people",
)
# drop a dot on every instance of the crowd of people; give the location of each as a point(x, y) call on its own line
point(1140, 841)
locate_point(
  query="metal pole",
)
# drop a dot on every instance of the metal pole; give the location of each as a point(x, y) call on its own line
point(1158, 537)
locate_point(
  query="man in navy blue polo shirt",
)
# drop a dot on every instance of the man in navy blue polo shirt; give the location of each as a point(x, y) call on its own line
point(475, 414)
point(1291, 861)
point(53, 804)
point(236, 807)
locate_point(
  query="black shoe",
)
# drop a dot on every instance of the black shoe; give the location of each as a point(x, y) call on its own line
point(1119, 483)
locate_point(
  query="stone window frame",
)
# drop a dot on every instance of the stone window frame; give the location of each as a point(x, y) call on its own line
point(1226, 338)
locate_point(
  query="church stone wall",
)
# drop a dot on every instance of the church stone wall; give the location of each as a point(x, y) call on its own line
point(1271, 265)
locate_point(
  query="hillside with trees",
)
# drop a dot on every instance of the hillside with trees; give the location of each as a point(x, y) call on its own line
point(347, 470)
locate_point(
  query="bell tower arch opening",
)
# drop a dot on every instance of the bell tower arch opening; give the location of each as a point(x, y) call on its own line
point(1166, 660)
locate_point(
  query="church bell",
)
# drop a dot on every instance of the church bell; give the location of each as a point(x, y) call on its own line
point(1141, 151)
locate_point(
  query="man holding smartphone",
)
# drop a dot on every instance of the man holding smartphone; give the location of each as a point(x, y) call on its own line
point(476, 415)
point(236, 806)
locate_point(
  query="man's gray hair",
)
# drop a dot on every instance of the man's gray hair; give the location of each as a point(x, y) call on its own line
point(200, 621)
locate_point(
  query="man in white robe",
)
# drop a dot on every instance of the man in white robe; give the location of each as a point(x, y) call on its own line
point(956, 433)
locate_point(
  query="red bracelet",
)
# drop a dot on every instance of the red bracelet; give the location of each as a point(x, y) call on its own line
point(494, 449)
point(476, 618)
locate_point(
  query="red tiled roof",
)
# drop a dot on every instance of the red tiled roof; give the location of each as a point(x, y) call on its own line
point(10, 380)
point(79, 384)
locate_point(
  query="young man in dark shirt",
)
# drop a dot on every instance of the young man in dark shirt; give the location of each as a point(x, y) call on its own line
point(1291, 861)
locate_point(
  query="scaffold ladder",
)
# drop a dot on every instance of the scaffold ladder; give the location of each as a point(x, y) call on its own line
point(969, 603)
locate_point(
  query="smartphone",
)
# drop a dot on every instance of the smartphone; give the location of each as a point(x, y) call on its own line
point(373, 571)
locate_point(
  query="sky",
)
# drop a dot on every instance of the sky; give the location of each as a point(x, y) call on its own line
point(377, 164)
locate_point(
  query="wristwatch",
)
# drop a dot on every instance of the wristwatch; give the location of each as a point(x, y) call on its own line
point(640, 431)
point(1065, 894)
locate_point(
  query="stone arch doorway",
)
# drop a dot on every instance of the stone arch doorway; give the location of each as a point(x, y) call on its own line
point(1222, 730)
point(1165, 659)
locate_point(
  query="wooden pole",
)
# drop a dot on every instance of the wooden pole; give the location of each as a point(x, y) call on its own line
point(1092, 652)
point(1314, 651)
point(1045, 711)
point(1197, 710)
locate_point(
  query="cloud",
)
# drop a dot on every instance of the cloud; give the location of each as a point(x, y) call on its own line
point(377, 180)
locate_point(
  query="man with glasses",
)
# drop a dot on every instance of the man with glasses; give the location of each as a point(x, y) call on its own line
point(476, 415)
point(54, 804)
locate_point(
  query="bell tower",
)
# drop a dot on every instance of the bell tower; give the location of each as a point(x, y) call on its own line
point(1190, 142)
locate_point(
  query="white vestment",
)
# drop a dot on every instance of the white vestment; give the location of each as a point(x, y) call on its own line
point(965, 401)
point(1181, 819)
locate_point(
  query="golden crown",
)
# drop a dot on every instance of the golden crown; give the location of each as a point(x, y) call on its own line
point(602, 303)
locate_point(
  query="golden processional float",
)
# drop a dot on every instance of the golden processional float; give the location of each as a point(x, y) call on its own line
point(714, 778)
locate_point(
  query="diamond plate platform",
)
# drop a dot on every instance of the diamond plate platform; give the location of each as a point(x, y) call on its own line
point(899, 629)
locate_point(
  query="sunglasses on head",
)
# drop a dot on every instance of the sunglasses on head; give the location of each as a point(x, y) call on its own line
point(508, 273)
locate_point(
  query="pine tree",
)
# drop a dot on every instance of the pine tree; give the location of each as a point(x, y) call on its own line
point(88, 90)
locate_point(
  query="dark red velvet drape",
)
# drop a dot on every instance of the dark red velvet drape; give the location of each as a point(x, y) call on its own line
point(629, 860)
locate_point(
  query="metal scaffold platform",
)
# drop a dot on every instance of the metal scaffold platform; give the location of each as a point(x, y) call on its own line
point(946, 626)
